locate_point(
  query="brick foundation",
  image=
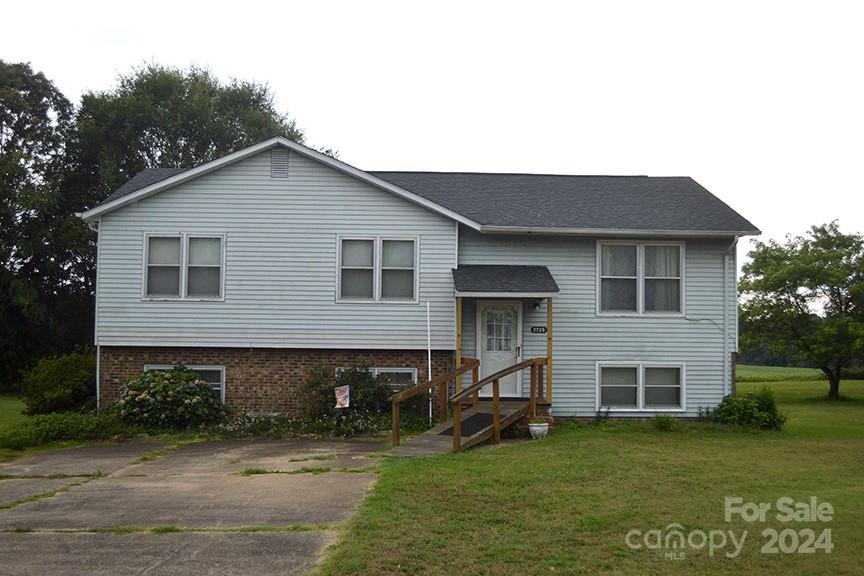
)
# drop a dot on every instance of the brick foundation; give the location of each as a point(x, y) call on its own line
point(258, 379)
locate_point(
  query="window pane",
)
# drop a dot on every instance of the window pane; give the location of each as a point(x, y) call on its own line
point(618, 260)
point(618, 376)
point(663, 295)
point(203, 281)
point(662, 376)
point(615, 396)
point(397, 254)
point(163, 281)
point(397, 377)
point(205, 251)
point(662, 261)
point(357, 284)
point(357, 253)
point(212, 377)
point(618, 295)
point(164, 251)
point(663, 396)
point(397, 284)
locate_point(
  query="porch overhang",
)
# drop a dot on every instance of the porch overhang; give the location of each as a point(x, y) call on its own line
point(504, 281)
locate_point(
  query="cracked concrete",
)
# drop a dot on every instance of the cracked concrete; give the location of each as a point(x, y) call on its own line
point(195, 487)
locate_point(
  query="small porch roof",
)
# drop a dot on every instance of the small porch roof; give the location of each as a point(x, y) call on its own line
point(502, 281)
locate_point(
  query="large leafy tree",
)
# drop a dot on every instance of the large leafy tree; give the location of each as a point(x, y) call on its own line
point(55, 161)
point(165, 117)
point(804, 299)
point(35, 259)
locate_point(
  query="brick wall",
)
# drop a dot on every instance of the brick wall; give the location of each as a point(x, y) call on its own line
point(260, 379)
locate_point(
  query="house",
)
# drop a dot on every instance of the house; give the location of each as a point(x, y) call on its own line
point(259, 265)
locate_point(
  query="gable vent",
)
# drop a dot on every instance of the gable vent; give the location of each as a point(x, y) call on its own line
point(278, 163)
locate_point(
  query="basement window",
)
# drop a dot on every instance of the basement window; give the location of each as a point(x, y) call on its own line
point(214, 376)
point(640, 386)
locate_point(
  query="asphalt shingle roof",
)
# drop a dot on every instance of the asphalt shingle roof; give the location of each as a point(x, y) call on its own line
point(143, 179)
point(583, 202)
point(553, 201)
point(503, 278)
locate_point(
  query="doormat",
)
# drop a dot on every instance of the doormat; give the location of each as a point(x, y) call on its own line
point(471, 425)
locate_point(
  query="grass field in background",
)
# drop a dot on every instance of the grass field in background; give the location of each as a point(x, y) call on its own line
point(754, 373)
point(564, 505)
point(10, 411)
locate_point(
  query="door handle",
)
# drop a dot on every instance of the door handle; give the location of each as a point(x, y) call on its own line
point(518, 352)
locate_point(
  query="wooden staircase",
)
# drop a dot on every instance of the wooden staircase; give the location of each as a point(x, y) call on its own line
point(480, 420)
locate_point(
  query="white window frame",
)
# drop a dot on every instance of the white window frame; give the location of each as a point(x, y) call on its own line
point(640, 278)
point(377, 262)
point(221, 370)
point(184, 267)
point(640, 385)
point(378, 371)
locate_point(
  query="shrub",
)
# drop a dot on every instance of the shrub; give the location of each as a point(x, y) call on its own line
point(47, 428)
point(369, 401)
point(755, 409)
point(665, 422)
point(61, 384)
point(175, 398)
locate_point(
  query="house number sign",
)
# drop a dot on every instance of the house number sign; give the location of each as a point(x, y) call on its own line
point(538, 329)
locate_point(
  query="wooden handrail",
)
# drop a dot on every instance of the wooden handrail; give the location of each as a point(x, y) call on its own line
point(459, 396)
point(468, 364)
point(495, 379)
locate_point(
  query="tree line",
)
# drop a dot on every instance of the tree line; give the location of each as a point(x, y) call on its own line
point(58, 158)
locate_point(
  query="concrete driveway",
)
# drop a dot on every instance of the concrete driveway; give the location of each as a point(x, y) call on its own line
point(224, 508)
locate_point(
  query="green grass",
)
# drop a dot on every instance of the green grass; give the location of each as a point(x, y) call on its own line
point(564, 505)
point(11, 409)
point(755, 373)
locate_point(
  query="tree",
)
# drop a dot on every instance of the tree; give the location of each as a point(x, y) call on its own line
point(34, 122)
point(55, 162)
point(805, 299)
point(165, 117)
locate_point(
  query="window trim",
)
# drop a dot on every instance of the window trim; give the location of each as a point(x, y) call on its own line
point(640, 385)
point(221, 370)
point(377, 370)
point(184, 266)
point(377, 268)
point(640, 311)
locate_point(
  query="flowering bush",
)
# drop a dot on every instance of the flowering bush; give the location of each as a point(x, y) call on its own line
point(175, 398)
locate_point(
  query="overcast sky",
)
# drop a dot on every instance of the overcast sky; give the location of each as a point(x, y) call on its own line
point(761, 102)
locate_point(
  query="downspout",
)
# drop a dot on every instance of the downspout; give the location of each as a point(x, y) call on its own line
point(727, 358)
point(94, 226)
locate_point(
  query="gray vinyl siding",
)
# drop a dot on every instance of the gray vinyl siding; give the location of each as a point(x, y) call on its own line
point(582, 338)
point(281, 269)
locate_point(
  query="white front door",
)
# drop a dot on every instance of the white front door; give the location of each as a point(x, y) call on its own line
point(499, 340)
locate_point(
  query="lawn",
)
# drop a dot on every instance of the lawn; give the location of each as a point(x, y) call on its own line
point(754, 373)
point(10, 411)
point(565, 505)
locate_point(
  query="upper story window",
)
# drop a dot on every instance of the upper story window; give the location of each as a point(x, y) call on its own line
point(377, 269)
point(184, 266)
point(640, 277)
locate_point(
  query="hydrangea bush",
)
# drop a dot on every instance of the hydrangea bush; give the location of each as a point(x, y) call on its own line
point(176, 398)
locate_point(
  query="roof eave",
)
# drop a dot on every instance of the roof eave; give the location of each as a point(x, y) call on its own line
point(563, 231)
point(476, 294)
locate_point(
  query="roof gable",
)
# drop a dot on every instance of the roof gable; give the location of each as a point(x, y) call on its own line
point(507, 203)
point(153, 181)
